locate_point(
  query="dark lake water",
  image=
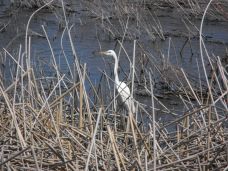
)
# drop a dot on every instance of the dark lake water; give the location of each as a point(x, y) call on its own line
point(89, 37)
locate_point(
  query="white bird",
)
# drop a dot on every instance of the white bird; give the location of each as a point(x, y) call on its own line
point(121, 87)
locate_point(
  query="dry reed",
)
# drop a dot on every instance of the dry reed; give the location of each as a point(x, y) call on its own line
point(51, 123)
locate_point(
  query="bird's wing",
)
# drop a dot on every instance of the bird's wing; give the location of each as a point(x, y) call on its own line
point(125, 94)
point(123, 90)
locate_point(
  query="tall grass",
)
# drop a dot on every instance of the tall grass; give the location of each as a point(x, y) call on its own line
point(52, 123)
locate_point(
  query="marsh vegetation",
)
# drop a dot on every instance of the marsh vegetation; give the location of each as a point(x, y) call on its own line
point(59, 109)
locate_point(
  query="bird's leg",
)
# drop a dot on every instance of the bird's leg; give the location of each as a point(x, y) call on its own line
point(127, 131)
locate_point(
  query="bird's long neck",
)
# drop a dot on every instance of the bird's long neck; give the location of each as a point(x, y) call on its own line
point(116, 69)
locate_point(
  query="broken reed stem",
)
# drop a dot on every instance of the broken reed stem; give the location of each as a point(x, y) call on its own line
point(55, 102)
point(132, 107)
point(14, 118)
point(209, 134)
point(201, 48)
point(154, 126)
point(78, 68)
point(28, 23)
point(80, 107)
point(15, 155)
point(113, 147)
point(93, 139)
point(35, 159)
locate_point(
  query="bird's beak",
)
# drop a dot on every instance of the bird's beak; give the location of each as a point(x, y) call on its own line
point(102, 52)
point(98, 53)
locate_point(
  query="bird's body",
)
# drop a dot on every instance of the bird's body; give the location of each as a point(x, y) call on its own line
point(125, 95)
point(121, 87)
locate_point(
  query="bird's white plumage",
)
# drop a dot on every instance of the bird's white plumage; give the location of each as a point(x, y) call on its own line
point(124, 93)
point(122, 88)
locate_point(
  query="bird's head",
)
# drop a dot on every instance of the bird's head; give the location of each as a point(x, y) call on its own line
point(108, 53)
